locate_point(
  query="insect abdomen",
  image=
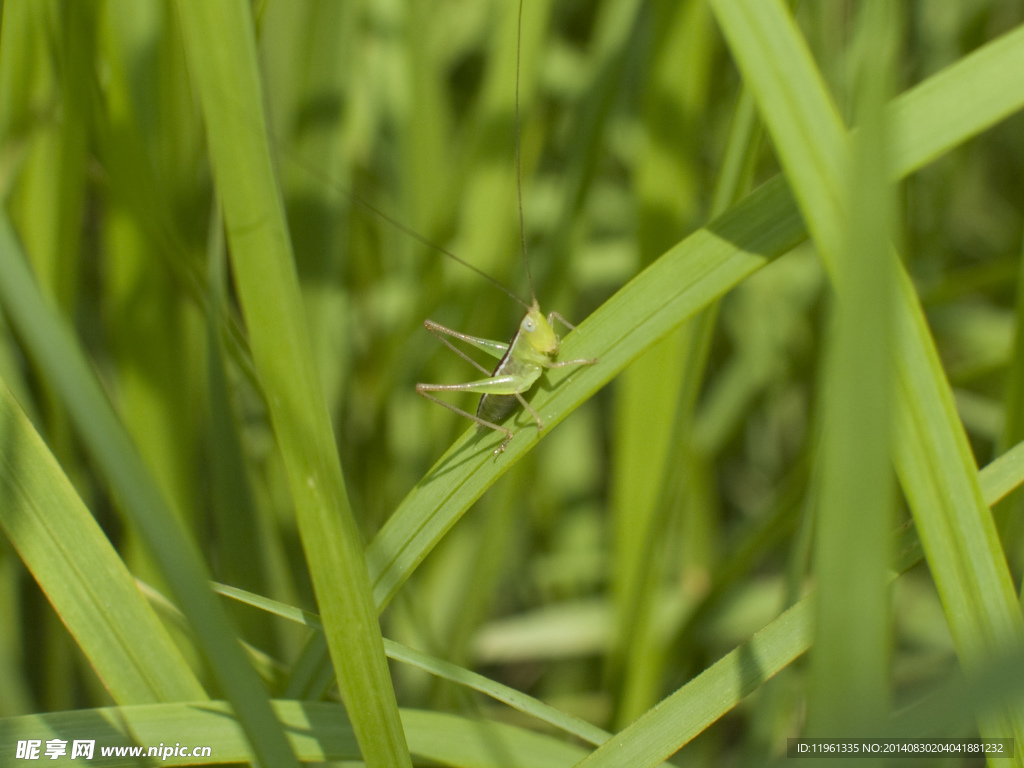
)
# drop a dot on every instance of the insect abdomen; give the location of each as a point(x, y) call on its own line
point(495, 407)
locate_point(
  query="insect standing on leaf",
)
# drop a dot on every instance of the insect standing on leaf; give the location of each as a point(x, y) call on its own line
point(533, 349)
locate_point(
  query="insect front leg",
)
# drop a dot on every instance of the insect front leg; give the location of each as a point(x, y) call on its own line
point(582, 361)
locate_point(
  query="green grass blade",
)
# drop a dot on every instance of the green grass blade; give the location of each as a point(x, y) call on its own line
point(307, 53)
point(657, 393)
point(54, 196)
point(503, 693)
point(220, 45)
point(848, 688)
point(317, 731)
point(440, 668)
point(932, 454)
point(57, 353)
point(974, 94)
point(1009, 514)
point(1006, 472)
point(700, 269)
point(81, 573)
point(685, 714)
point(456, 741)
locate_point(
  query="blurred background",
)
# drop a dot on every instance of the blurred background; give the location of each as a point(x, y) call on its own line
point(665, 520)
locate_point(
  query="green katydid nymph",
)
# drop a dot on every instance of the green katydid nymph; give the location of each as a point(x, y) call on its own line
point(533, 349)
point(522, 361)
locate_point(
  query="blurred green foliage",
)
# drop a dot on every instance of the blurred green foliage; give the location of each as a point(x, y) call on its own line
point(670, 517)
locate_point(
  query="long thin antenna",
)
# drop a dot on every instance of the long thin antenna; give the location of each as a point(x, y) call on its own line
point(321, 176)
point(318, 173)
point(434, 246)
point(519, 163)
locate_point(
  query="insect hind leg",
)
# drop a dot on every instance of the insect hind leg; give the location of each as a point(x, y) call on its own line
point(424, 390)
point(582, 361)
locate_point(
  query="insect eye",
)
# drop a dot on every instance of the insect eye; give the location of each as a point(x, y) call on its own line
point(529, 325)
